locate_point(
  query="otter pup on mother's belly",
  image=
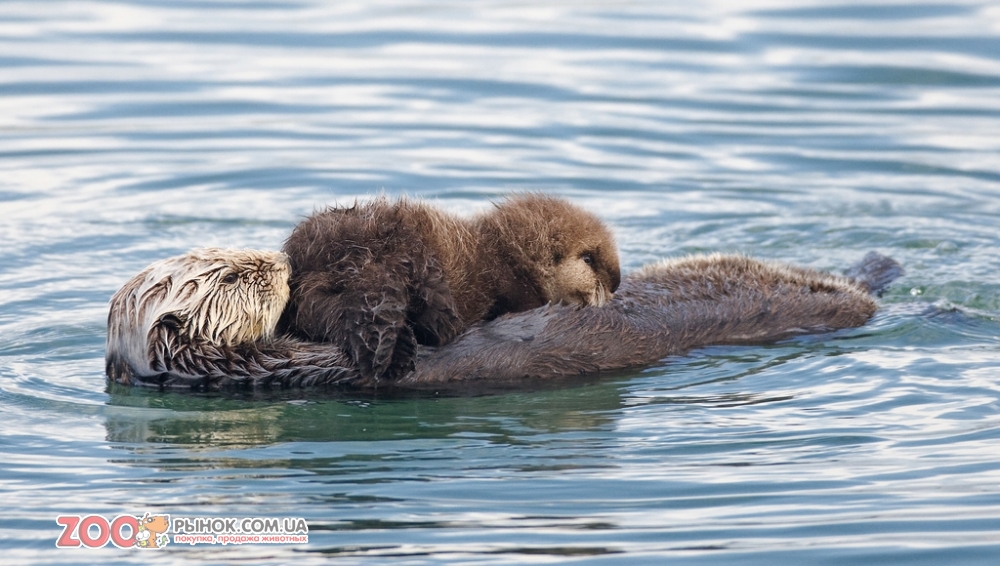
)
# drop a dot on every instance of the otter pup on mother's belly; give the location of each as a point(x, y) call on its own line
point(379, 278)
point(661, 310)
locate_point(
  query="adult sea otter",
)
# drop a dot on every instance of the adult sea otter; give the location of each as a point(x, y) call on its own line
point(184, 322)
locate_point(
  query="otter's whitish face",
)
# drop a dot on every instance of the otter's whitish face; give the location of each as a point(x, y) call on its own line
point(216, 296)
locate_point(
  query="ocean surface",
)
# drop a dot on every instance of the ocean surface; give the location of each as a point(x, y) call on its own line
point(808, 132)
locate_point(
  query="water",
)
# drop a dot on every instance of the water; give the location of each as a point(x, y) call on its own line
point(806, 132)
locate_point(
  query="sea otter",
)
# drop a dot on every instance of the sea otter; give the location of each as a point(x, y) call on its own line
point(660, 310)
point(200, 315)
point(377, 279)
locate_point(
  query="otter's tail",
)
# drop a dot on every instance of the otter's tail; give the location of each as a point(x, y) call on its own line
point(875, 271)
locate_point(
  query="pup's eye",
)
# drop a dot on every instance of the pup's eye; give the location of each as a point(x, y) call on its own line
point(587, 258)
point(231, 278)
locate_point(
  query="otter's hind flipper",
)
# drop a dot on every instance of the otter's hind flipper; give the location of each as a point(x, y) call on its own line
point(875, 272)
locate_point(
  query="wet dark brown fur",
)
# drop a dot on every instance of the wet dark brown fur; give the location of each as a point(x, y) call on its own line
point(661, 310)
point(378, 279)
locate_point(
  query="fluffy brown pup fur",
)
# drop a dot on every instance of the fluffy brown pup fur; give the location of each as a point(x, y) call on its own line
point(377, 279)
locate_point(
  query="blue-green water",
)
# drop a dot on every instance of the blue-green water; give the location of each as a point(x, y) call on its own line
point(807, 132)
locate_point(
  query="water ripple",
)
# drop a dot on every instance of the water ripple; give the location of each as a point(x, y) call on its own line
point(131, 131)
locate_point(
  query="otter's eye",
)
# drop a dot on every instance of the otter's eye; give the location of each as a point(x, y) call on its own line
point(587, 258)
point(231, 278)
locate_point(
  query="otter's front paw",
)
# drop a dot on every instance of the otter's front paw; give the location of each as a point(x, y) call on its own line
point(384, 352)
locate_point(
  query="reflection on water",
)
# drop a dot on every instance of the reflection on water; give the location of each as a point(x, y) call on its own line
point(226, 419)
point(134, 130)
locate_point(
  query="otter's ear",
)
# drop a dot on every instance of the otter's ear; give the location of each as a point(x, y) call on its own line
point(171, 321)
point(164, 340)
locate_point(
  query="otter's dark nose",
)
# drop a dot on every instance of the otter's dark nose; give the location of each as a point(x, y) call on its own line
point(615, 276)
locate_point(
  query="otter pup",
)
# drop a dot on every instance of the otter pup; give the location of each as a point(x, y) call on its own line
point(201, 316)
point(378, 279)
point(660, 310)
